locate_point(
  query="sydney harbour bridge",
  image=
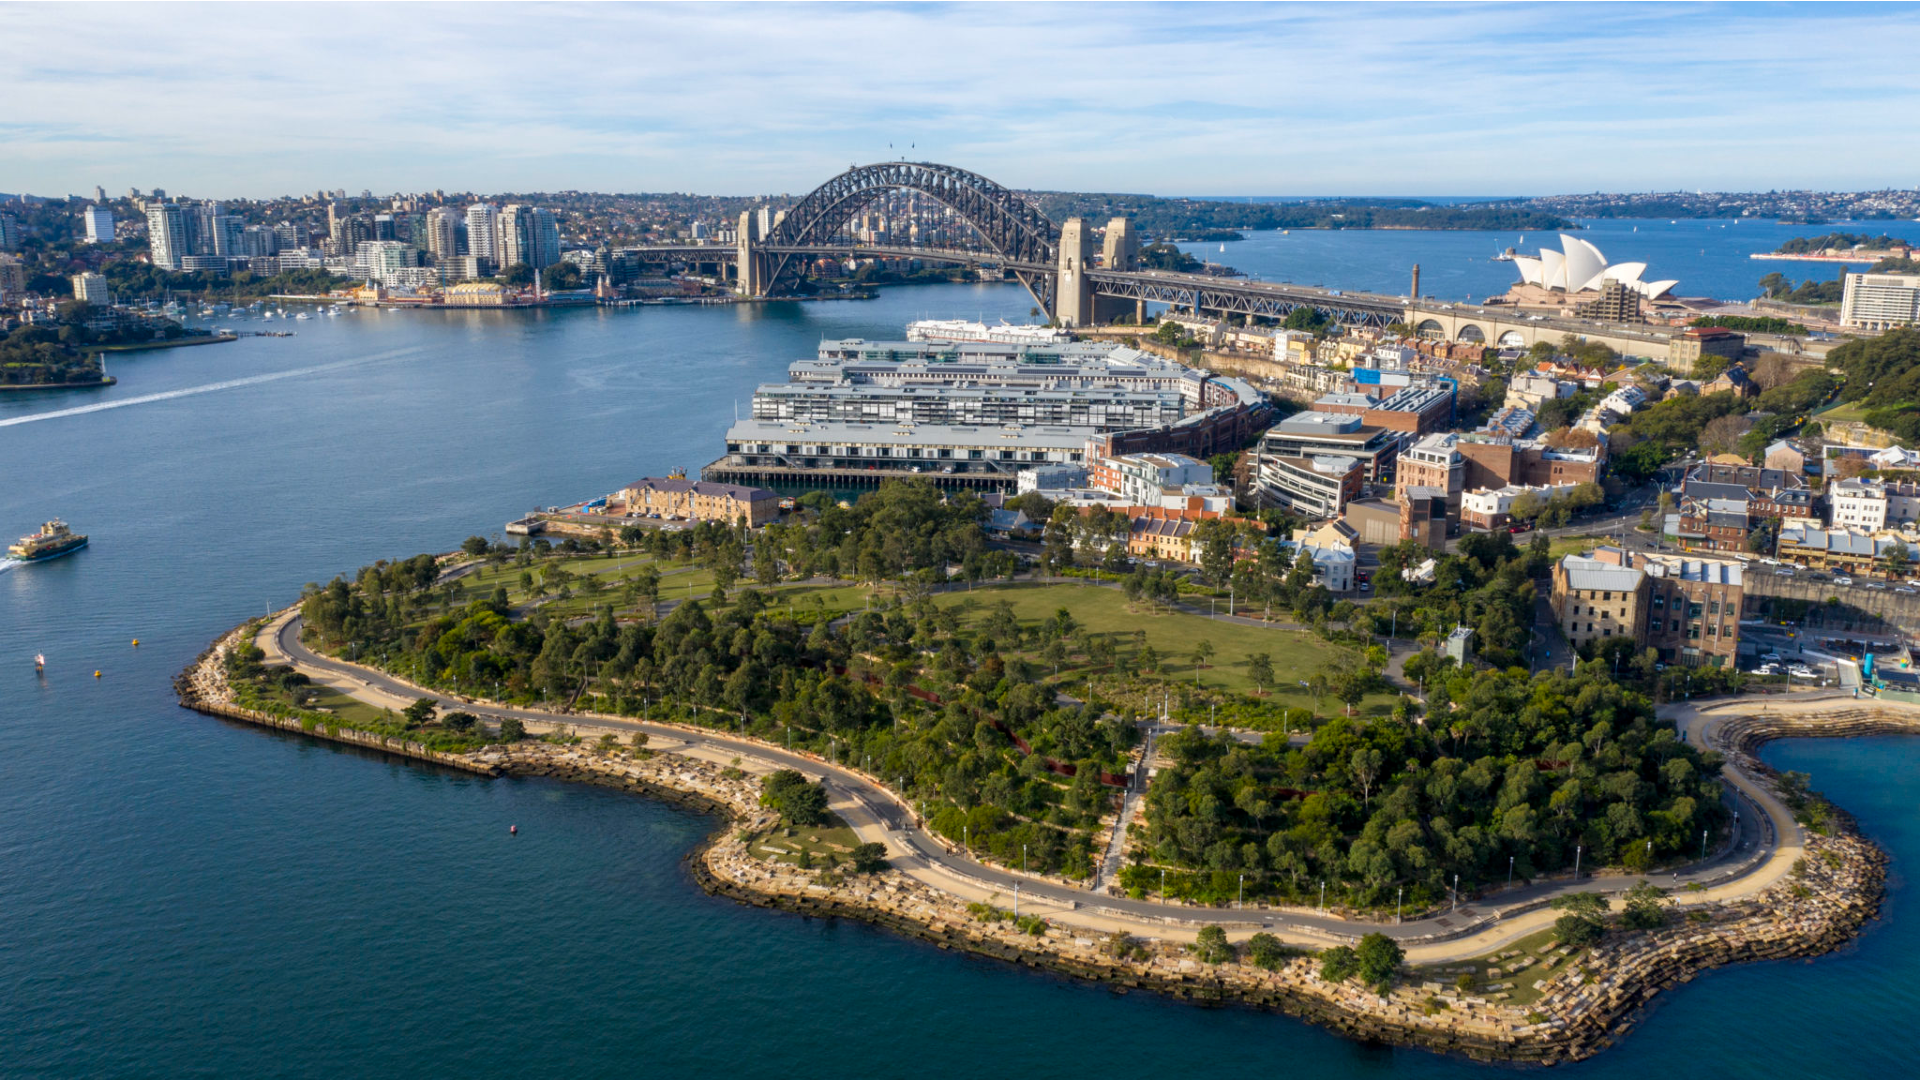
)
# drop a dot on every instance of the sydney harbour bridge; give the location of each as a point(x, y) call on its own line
point(1055, 262)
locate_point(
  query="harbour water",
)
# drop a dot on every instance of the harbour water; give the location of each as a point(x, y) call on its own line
point(1708, 257)
point(181, 896)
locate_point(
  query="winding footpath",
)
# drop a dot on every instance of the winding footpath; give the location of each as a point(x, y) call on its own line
point(1767, 843)
point(1774, 892)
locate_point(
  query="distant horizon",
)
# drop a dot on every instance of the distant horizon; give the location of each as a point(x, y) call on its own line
point(776, 98)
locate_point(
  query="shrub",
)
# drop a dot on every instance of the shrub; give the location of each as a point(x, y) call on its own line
point(1338, 964)
point(1267, 952)
point(460, 721)
point(512, 730)
point(869, 858)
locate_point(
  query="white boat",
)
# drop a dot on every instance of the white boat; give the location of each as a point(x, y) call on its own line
point(302, 315)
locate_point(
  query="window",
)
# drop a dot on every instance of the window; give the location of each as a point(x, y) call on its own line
point(1713, 607)
point(1693, 610)
point(1693, 632)
point(1608, 632)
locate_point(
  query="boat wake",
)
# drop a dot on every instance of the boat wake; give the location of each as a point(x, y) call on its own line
point(209, 388)
point(8, 564)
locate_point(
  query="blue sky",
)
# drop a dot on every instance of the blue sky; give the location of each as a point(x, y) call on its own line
point(254, 100)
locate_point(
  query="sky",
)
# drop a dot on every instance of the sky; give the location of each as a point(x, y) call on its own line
point(256, 100)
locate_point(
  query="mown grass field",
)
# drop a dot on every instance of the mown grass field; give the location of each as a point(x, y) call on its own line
point(1174, 635)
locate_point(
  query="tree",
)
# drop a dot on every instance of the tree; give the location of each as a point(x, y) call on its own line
point(1203, 652)
point(1584, 923)
point(1260, 669)
point(1378, 959)
point(1898, 557)
point(460, 721)
point(798, 801)
point(1211, 945)
point(869, 858)
point(1338, 964)
point(518, 275)
point(420, 712)
point(512, 730)
point(1266, 951)
point(1365, 766)
point(474, 545)
point(1645, 906)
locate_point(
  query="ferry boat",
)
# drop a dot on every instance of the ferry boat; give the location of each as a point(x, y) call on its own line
point(52, 541)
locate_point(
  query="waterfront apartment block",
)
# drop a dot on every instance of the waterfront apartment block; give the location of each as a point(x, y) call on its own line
point(975, 414)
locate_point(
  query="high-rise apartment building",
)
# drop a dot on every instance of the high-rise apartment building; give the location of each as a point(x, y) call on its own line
point(9, 233)
point(543, 238)
point(1880, 301)
point(99, 221)
point(167, 235)
point(443, 233)
point(483, 232)
point(92, 288)
point(530, 235)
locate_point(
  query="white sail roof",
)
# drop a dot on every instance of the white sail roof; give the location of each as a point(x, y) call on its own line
point(1579, 267)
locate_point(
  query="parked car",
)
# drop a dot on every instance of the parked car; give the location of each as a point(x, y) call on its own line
point(1772, 657)
point(1909, 592)
point(1842, 580)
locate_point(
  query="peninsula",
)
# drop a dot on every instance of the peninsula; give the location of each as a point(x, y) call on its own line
point(996, 764)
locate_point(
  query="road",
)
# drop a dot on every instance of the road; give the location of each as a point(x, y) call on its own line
point(877, 814)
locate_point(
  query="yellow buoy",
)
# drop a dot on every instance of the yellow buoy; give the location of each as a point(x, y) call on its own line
point(136, 643)
point(96, 674)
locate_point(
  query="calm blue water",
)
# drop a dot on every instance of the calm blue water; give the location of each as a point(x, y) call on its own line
point(1708, 258)
point(182, 896)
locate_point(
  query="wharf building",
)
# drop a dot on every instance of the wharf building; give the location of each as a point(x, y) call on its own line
point(1686, 609)
point(977, 414)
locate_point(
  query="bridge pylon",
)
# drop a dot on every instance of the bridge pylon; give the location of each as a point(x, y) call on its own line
point(1073, 293)
point(1121, 251)
point(750, 263)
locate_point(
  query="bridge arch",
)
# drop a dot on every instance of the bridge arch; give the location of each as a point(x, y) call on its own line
point(1016, 231)
point(1432, 329)
point(1513, 339)
point(1470, 333)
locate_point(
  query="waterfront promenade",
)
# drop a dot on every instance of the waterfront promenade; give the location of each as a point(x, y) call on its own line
point(1764, 849)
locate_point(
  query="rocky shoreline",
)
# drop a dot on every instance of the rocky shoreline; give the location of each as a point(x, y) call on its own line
point(1583, 1007)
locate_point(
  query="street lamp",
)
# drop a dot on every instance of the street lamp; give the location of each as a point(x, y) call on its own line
point(1509, 871)
point(1576, 862)
point(1323, 896)
point(1397, 894)
point(1241, 901)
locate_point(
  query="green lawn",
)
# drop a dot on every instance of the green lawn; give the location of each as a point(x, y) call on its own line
point(1576, 545)
point(825, 845)
point(1523, 963)
point(1172, 634)
point(1851, 411)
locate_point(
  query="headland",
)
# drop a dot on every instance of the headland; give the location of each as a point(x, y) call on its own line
point(1805, 891)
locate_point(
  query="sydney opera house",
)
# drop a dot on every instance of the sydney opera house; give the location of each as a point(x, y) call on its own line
point(1578, 276)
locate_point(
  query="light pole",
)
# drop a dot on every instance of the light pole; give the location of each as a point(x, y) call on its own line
point(1576, 862)
point(1163, 884)
point(1456, 892)
point(1509, 871)
point(1703, 845)
point(1016, 901)
point(1241, 900)
point(1397, 894)
point(1323, 896)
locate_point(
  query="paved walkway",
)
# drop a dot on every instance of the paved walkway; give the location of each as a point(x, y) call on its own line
point(1764, 848)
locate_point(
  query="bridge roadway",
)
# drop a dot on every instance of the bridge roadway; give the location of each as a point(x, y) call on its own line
point(1187, 292)
point(1756, 858)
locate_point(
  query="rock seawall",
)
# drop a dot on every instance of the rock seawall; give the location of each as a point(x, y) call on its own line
point(1581, 1010)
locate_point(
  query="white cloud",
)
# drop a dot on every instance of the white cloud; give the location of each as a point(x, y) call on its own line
point(262, 99)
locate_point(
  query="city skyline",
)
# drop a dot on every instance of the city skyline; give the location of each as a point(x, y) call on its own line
point(1438, 100)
